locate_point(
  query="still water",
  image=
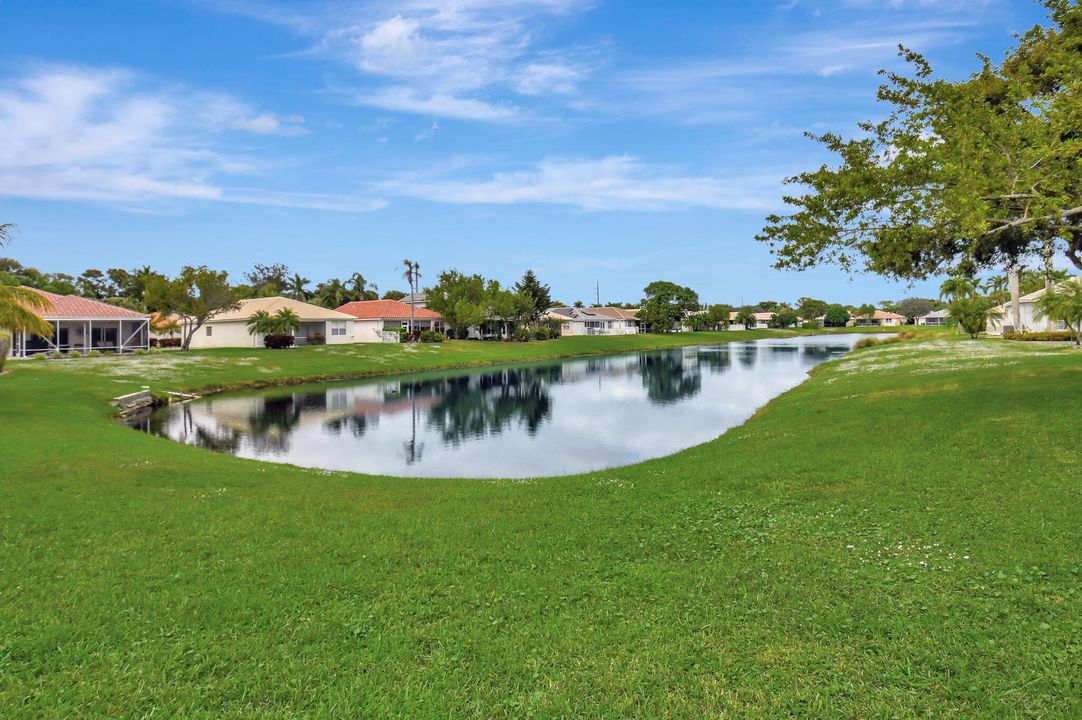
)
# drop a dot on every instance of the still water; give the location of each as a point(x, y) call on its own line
point(551, 418)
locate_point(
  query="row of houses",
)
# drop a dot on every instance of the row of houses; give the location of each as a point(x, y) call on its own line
point(84, 325)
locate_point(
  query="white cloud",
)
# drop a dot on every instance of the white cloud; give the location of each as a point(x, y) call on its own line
point(617, 182)
point(90, 134)
point(465, 59)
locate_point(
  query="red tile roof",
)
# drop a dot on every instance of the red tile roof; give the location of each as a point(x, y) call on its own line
point(387, 310)
point(73, 307)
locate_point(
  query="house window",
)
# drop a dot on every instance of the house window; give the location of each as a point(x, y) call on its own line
point(210, 330)
point(338, 327)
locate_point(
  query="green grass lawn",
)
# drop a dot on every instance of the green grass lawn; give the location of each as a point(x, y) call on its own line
point(898, 537)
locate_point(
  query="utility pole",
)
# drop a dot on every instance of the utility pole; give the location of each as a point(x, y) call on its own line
point(597, 294)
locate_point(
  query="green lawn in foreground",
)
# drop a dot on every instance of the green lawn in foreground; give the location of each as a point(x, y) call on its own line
point(898, 537)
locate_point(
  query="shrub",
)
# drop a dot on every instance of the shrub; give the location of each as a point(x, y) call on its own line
point(5, 348)
point(56, 355)
point(865, 342)
point(431, 336)
point(94, 353)
point(1054, 336)
point(278, 342)
point(40, 356)
point(542, 332)
point(75, 354)
point(165, 342)
point(523, 334)
point(316, 339)
point(810, 325)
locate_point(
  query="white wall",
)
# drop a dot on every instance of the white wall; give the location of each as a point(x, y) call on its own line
point(368, 331)
point(234, 333)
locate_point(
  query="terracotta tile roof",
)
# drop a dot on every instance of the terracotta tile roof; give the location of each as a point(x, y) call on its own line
point(387, 310)
point(73, 307)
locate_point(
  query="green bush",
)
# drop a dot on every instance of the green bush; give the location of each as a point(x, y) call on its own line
point(73, 354)
point(5, 348)
point(56, 355)
point(431, 336)
point(865, 342)
point(810, 325)
point(523, 333)
point(94, 353)
point(39, 356)
point(1054, 336)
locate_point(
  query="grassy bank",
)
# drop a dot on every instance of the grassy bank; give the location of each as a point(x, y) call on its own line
point(897, 537)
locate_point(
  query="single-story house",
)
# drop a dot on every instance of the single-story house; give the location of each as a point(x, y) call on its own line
point(762, 321)
point(936, 317)
point(230, 329)
point(81, 325)
point(880, 318)
point(596, 320)
point(379, 320)
point(1027, 308)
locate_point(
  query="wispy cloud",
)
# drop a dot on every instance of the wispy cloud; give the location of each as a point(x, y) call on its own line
point(618, 182)
point(465, 59)
point(102, 134)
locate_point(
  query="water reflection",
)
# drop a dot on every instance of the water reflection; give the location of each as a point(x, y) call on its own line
point(540, 419)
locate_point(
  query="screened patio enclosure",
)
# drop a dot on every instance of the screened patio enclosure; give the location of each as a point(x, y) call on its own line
point(104, 335)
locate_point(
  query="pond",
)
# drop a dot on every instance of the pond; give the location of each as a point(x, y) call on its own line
point(549, 418)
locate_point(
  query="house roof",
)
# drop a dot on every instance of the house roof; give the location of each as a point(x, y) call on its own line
point(944, 313)
point(1033, 296)
point(880, 315)
point(386, 310)
point(595, 313)
point(759, 316)
point(305, 311)
point(73, 307)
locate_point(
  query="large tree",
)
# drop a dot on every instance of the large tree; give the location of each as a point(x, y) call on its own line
point(196, 295)
point(461, 299)
point(962, 176)
point(539, 294)
point(665, 304)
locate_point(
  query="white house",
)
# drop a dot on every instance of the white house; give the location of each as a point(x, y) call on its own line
point(934, 318)
point(1027, 307)
point(762, 321)
point(81, 325)
point(379, 320)
point(596, 320)
point(880, 318)
point(230, 329)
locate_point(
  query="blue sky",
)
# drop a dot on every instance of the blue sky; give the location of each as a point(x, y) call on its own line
point(609, 142)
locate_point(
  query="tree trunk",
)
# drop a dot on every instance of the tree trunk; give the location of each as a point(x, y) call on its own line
point(1016, 309)
point(1047, 252)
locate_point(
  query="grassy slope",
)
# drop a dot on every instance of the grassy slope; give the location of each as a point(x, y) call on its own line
point(773, 572)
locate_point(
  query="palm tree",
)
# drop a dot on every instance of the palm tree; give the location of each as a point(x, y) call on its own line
point(17, 304)
point(745, 317)
point(1063, 302)
point(360, 287)
point(260, 323)
point(997, 287)
point(333, 293)
point(285, 321)
point(954, 288)
point(295, 287)
point(412, 275)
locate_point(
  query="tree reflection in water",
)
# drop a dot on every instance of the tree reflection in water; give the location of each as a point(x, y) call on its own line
point(668, 378)
point(486, 403)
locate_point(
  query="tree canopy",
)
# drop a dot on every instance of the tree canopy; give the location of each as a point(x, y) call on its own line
point(665, 304)
point(959, 176)
point(196, 295)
